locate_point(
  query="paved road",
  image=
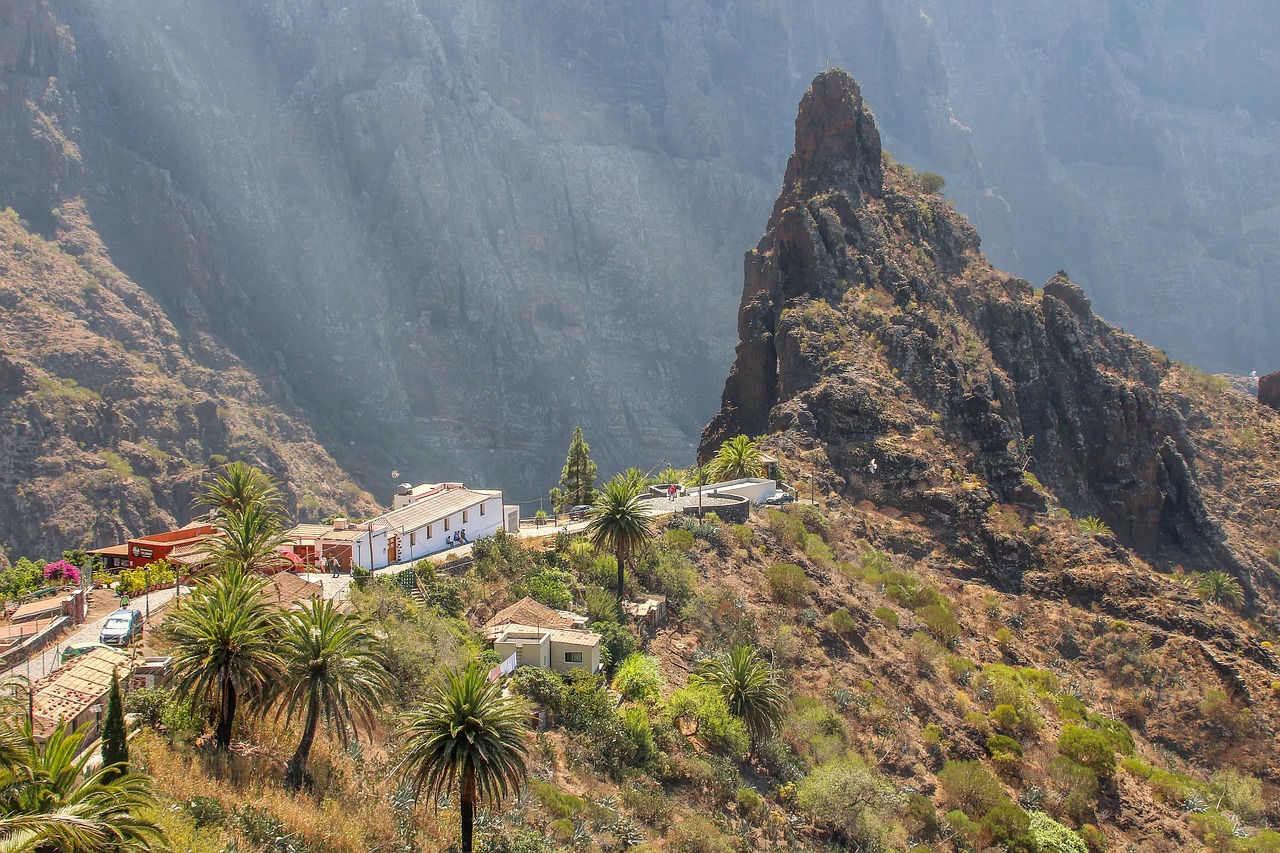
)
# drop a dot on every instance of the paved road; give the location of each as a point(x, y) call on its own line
point(43, 663)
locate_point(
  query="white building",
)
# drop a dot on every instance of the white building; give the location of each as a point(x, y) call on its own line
point(754, 489)
point(427, 519)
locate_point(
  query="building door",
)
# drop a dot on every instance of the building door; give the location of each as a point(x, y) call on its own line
point(393, 548)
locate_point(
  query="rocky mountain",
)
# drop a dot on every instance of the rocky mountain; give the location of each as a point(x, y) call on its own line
point(995, 435)
point(876, 337)
point(109, 418)
point(458, 229)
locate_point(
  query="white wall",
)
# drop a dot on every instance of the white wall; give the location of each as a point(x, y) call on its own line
point(361, 545)
point(476, 525)
point(753, 490)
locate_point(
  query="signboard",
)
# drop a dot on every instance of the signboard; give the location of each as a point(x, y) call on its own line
point(144, 553)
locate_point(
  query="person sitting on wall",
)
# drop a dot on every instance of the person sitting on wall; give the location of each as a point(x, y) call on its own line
point(462, 536)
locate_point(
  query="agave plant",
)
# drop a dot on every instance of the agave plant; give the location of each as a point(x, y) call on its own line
point(1091, 525)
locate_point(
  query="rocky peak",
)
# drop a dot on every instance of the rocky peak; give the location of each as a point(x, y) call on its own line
point(873, 330)
point(837, 142)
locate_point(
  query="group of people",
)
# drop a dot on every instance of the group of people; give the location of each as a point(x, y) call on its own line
point(673, 491)
point(329, 564)
point(457, 538)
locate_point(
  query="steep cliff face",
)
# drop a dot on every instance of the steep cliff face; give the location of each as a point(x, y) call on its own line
point(457, 229)
point(879, 344)
point(109, 418)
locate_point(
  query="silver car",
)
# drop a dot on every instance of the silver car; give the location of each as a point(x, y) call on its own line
point(121, 628)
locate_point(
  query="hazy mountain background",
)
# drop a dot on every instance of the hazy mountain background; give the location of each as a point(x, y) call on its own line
point(450, 230)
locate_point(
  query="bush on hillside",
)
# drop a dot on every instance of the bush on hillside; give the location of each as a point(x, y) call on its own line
point(788, 583)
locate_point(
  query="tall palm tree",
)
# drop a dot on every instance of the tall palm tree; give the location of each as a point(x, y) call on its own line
point(620, 522)
point(746, 682)
point(333, 670)
point(1219, 587)
point(224, 643)
point(246, 538)
point(239, 487)
point(49, 803)
point(737, 458)
point(466, 736)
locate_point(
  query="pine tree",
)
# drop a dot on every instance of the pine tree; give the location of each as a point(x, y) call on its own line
point(578, 479)
point(115, 748)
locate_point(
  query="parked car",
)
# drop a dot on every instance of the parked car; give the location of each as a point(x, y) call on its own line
point(76, 649)
point(121, 628)
point(779, 498)
point(579, 512)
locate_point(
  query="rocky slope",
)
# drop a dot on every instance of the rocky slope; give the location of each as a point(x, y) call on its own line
point(977, 428)
point(872, 328)
point(109, 418)
point(457, 229)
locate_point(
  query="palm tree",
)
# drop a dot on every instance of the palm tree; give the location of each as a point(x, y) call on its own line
point(620, 521)
point(746, 682)
point(332, 670)
point(466, 736)
point(1220, 588)
point(224, 643)
point(737, 458)
point(239, 487)
point(49, 803)
point(247, 539)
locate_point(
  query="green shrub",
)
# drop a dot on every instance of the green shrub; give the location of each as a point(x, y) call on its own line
point(705, 712)
point(1002, 744)
point(1089, 748)
point(1008, 826)
point(848, 798)
point(542, 686)
point(742, 534)
point(970, 786)
point(679, 539)
point(941, 622)
point(650, 804)
point(697, 834)
point(842, 623)
point(816, 730)
point(616, 645)
point(788, 583)
point(931, 182)
point(750, 805)
point(887, 616)
point(639, 677)
point(551, 587)
point(1239, 792)
point(1004, 638)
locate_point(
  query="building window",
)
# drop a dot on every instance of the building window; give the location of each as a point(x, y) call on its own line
point(482, 509)
point(428, 531)
point(573, 657)
point(464, 516)
point(412, 537)
point(446, 524)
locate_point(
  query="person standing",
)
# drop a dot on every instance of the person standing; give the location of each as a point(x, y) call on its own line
point(334, 566)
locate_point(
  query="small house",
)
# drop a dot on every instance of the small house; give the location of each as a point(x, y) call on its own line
point(557, 649)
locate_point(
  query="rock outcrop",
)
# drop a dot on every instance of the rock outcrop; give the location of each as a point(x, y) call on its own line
point(1269, 390)
point(872, 329)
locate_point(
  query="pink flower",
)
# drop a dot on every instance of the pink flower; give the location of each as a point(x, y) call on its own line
point(61, 570)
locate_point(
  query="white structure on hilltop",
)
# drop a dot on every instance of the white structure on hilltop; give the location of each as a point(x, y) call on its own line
point(428, 519)
point(754, 489)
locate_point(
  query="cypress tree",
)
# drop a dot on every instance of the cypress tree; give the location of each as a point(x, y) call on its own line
point(115, 748)
point(578, 478)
